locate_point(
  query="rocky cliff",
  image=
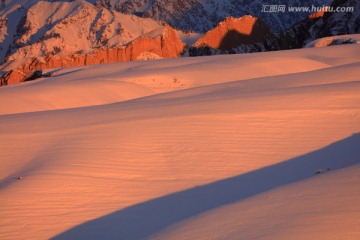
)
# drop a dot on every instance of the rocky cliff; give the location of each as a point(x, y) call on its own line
point(49, 34)
point(160, 43)
point(233, 32)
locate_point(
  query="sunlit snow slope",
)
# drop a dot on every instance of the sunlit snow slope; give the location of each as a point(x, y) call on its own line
point(221, 147)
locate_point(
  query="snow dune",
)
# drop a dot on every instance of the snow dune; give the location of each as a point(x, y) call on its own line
point(222, 147)
point(102, 84)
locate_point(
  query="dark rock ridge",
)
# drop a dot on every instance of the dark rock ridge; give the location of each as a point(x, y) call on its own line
point(323, 24)
point(317, 25)
point(203, 15)
point(231, 33)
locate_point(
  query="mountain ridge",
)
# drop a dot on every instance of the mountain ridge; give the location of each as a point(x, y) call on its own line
point(203, 15)
point(78, 32)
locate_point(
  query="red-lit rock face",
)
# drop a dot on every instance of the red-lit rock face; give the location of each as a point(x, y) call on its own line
point(233, 32)
point(164, 45)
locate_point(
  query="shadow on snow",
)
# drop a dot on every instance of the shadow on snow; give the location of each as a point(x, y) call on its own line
point(145, 219)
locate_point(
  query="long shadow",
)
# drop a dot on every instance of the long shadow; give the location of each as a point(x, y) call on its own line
point(233, 38)
point(145, 219)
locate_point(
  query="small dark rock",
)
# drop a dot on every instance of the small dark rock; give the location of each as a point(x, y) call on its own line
point(36, 74)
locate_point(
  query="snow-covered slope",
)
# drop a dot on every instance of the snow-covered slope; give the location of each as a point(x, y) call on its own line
point(233, 156)
point(118, 82)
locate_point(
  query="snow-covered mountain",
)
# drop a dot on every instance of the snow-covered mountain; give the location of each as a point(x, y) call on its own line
point(43, 34)
point(64, 27)
point(203, 15)
point(72, 33)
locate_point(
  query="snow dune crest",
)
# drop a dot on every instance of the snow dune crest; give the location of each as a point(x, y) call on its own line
point(98, 84)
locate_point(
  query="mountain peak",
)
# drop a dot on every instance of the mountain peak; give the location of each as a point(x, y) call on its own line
point(232, 32)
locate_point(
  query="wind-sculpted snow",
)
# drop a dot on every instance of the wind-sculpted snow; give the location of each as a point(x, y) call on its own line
point(165, 149)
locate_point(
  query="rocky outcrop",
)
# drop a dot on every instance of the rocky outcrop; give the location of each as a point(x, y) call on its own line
point(334, 40)
point(11, 77)
point(16, 76)
point(233, 32)
point(164, 44)
point(36, 34)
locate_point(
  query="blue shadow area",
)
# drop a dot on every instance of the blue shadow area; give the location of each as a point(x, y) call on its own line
point(145, 219)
